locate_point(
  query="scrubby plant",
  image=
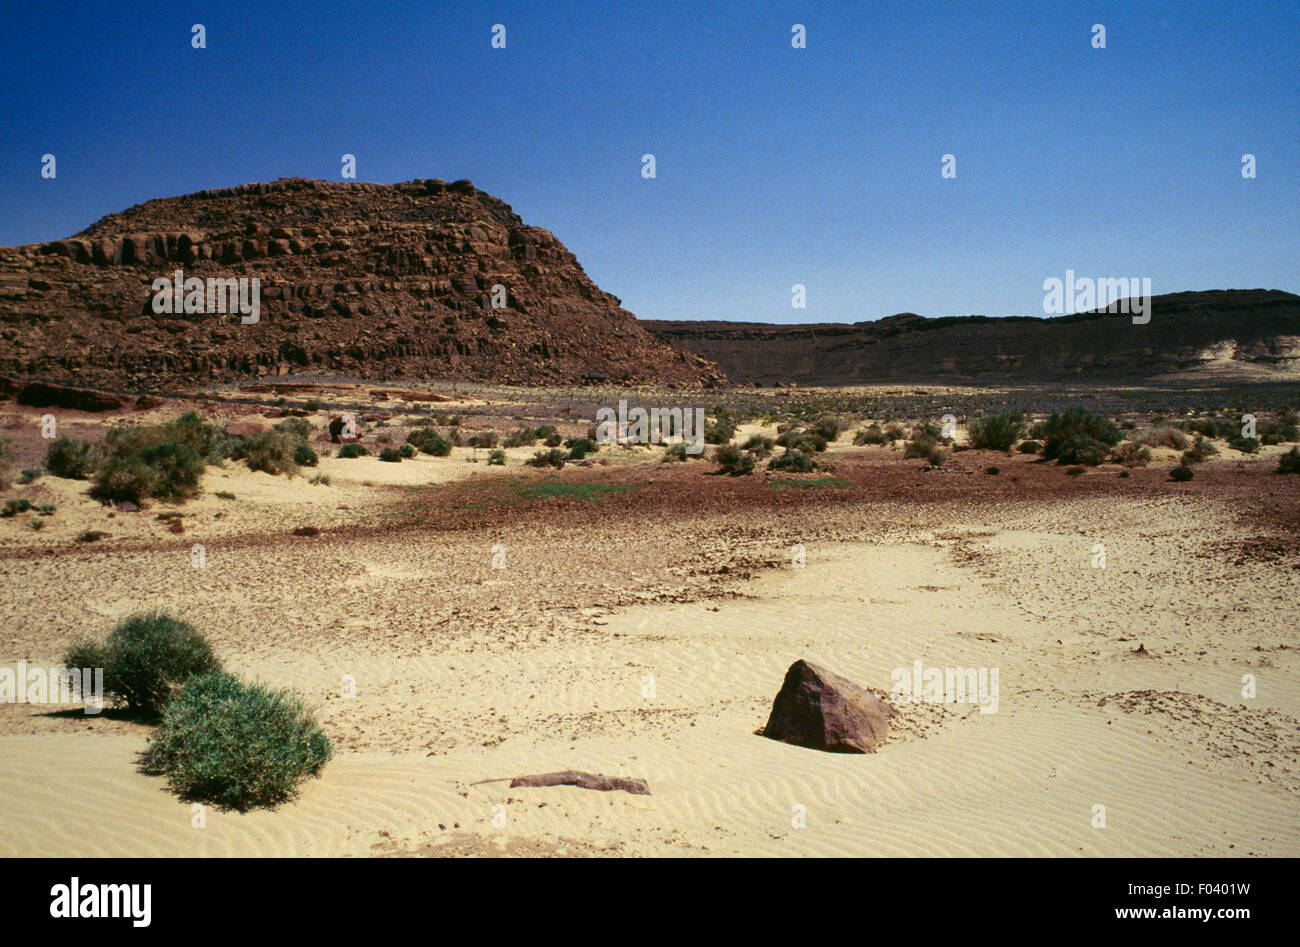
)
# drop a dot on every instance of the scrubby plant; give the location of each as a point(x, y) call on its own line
point(580, 447)
point(30, 475)
point(675, 452)
point(894, 432)
point(793, 461)
point(497, 458)
point(827, 427)
point(1073, 471)
point(920, 446)
point(1131, 454)
point(1247, 445)
point(1079, 436)
point(407, 451)
point(72, 459)
point(297, 427)
point(1181, 474)
point(13, 506)
point(734, 461)
point(272, 452)
point(482, 439)
point(320, 480)
point(166, 471)
point(759, 445)
point(548, 458)
point(936, 456)
point(1166, 435)
point(552, 439)
point(6, 458)
point(428, 441)
point(721, 430)
point(1198, 452)
point(390, 455)
point(1030, 447)
point(349, 451)
point(224, 495)
point(1289, 463)
point(872, 434)
point(998, 430)
point(520, 437)
point(236, 744)
point(145, 659)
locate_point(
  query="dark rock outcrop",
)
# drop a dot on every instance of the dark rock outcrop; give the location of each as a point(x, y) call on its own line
point(824, 711)
point(42, 395)
point(370, 281)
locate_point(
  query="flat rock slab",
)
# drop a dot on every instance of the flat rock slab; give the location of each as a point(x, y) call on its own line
point(824, 711)
point(596, 781)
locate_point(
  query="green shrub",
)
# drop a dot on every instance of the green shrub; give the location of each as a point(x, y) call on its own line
point(827, 427)
point(407, 451)
point(1163, 436)
point(165, 471)
point(390, 455)
point(520, 437)
point(675, 452)
point(272, 452)
point(236, 744)
point(305, 456)
point(483, 439)
point(998, 430)
point(428, 441)
point(553, 439)
point(6, 458)
point(1289, 463)
point(145, 659)
point(298, 427)
point(734, 461)
point(30, 475)
point(720, 431)
point(14, 506)
point(894, 432)
point(580, 447)
point(349, 451)
point(759, 445)
point(937, 456)
point(1181, 474)
point(497, 458)
point(1247, 445)
point(72, 459)
point(320, 480)
point(548, 458)
point(225, 495)
point(1079, 436)
point(793, 460)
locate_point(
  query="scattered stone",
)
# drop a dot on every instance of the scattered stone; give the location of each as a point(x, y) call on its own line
point(126, 506)
point(595, 781)
point(824, 711)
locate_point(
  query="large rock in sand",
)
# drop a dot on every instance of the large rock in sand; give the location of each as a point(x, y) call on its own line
point(824, 711)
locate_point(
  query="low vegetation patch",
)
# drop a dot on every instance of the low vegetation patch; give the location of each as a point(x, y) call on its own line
point(998, 430)
point(235, 744)
point(734, 461)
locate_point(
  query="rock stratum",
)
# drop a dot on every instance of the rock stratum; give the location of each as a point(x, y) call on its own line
point(1249, 335)
point(364, 280)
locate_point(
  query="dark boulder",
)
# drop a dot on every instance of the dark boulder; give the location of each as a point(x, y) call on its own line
point(824, 711)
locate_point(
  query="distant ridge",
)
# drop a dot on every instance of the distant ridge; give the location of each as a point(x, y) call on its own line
point(365, 280)
point(1250, 334)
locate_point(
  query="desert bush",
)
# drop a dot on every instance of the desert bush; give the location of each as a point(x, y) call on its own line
point(320, 480)
point(1181, 474)
point(548, 458)
point(1289, 463)
point(1198, 452)
point(553, 439)
point(920, 446)
point(894, 432)
point(758, 445)
point(872, 434)
point(520, 437)
point(297, 427)
point(236, 744)
point(497, 458)
point(145, 659)
point(1030, 447)
point(998, 430)
point(349, 451)
point(1278, 432)
point(794, 461)
point(1079, 436)
point(6, 458)
point(165, 471)
point(1247, 445)
point(676, 452)
point(720, 431)
point(733, 461)
point(274, 452)
point(428, 441)
point(993, 471)
point(482, 439)
point(390, 455)
point(827, 427)
point(407, 451)
point(1164, 436)
point(936, 456)
point(1131, 454)
point(580, 447)
point(73, 459)
point(30, 475)
point(13, 506)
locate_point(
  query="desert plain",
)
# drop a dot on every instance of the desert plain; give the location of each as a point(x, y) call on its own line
point(455, 624)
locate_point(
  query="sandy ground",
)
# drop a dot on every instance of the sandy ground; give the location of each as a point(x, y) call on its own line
point(644, 632)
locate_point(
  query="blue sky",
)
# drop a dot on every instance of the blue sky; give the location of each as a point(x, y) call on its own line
point(775, 165)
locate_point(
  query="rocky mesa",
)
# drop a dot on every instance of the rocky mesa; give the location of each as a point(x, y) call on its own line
point(355, 279)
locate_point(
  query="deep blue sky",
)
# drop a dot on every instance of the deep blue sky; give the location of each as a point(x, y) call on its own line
point(775, 165)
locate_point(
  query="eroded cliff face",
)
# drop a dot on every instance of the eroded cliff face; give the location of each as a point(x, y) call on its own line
point(1251, 334)
point(367, 280)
